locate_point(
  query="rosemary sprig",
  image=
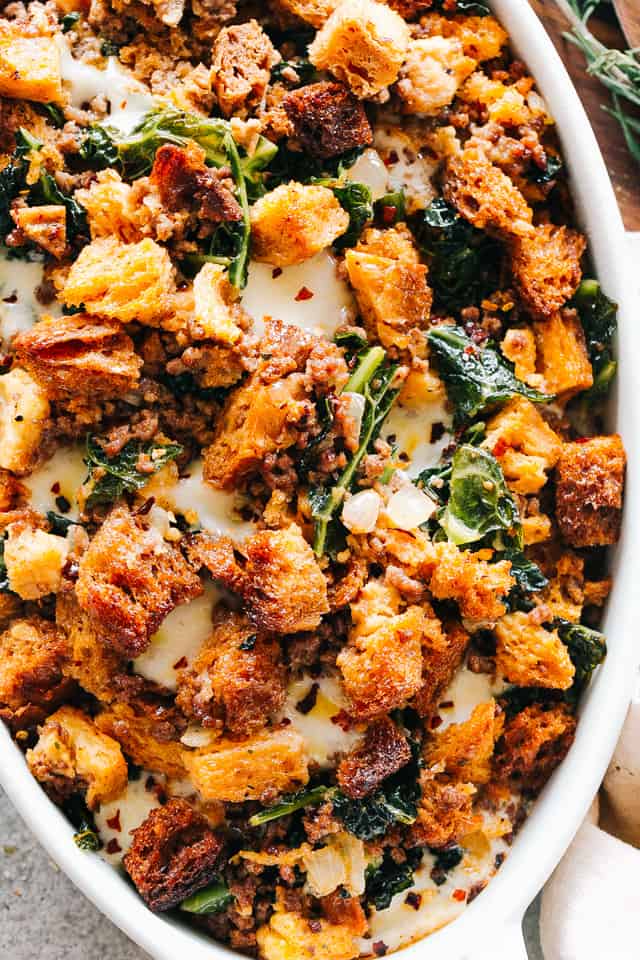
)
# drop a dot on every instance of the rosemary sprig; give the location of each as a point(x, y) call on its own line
point(617, 70)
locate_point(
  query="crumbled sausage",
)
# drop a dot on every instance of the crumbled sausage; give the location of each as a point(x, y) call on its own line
point(241, 65)
point(185, 182)
point(32, 653)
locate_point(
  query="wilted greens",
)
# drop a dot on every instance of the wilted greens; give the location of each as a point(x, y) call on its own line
point(355, 198)
point(480, 502)
point(587, 648)
point(114, 476)
point(290, 804)
point(389, 878)
point(212, 899)
point(598, 315)
point(476, 378)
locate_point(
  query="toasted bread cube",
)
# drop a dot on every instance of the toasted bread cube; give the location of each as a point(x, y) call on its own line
point(45, 226)
point(111, 207)
point(71, 754)
point(29, 66)
point(90, 660)
point(477, 586)
point(174, 852)
point(294, 222)
point(327, 119)
point(445, 812)
point(138, 735)
point(122, 281)
point(563, 359)
point(289, 936)
point(313, 12)
point(466, 748)
point(482, 37)
point(485, 196)
point(525, 446)
point(32, 653)
point(535, 741)
point(442, 652)
point(530, 656)
point(34, 561)
point(519, 346)
point(383, 752)
point(241, 63)
point(214, 315)
point(79, 357)
point(393, 296)
point(382, 664)
point(24, 409)
point(433, 70)
point(546, 268)
point(363, 43)
point(589, 488)
point(270, 763)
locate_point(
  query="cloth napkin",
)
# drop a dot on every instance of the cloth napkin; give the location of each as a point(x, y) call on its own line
point(591, 905)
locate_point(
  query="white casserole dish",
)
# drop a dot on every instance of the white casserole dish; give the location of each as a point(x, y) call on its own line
point(491, 925)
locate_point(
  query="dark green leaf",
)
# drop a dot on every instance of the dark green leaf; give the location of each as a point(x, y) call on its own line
point(212, 899)
point(295, 165)
point(119, 474)
point(355, 198)
point(305, 70)
point(86, 835)
point(587, 648)
point(480, 502)
point(528, 576)
point(550, 171)
point(389, 878)
point(54, 113)
point(391, 208)
point(476, 378)
point(87, 839)
point(4, 576)
point(351, 341)
point(181, 384)
point(290, 803)
point(46, 191)
point(98, 148)
point(59, 524)
point(109, 49)
point(69, 21)
point(599, 318)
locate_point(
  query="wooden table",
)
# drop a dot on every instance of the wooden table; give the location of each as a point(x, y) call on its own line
point(624, 171)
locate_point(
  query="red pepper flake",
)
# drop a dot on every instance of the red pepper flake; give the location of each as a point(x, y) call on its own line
point(413, 899)
point(470, 351)
point(179, 664)
point(389, 212)
point(114, 821)
point(379, 948)
point(113, 846)
point(500, 447)
point(314, 925)
point(582, 440)
point(459, 895)
point(391, 158)
point(276, 272)
point(303, 294)
point(435, 722)
point(55, 487)
point(342, 720)
point(445, 705)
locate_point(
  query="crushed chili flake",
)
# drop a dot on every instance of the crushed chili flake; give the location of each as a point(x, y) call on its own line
point(55, 487)
point(342, 720)
point(179, 664)
point(389, 213)
point(113, 846)
point(379, 948)
point(391, 158)
point(582, 440)
point(435, 722)
point(314, 925)
point(446, 705)
point(413, 899)
point(303, 294)
point(114, 821)
point(459, 895)
point(500, 447)
point(276, 272)
point(308, 702)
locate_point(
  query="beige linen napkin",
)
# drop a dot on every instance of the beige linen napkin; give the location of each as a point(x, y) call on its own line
point(591, 905)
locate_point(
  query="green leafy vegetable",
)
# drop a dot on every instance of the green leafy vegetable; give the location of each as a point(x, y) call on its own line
point(69, 21)
point(350, 340)
point(87, 839)
point(212, 899)
point(463, 261)
point(181, 384)
point(587, 648)
point(598, 315)
point(476, 378)
point(304, 69)
point(108, 48)
point(54, 114)
point(550, 171)
point(391, 208)
point(480, 502)
point(528, 576)
point(373, 378)
point(355, 198)
point(389, 878)
point(289, 804)
point(59, 524)
point(295, 165)
point(86, 835)
point(114, 476)
point(4, 576)
point(98, 149)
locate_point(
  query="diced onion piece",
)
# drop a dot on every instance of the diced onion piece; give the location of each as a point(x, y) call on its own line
point(354, 409)
point(409, 507)
point(360, 512)
point(341, 863)
point(196, 736)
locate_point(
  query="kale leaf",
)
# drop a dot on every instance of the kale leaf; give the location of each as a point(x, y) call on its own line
point(373, 377)
point(46, 191)
point(391, 208)
point(290, 803)
point(476, 378)
point(480, 502)
point(12, 180)
point(587, 648)
point(297, 165)
point(69, 21)
point(355, 198)
point(4, 576)
point(389, 878)
point(304, 69)
point(98, 149)
point(528, 576)
point(212, 899)
point(549, 172)
point(114, 476)
point(59, 524)
point(86, 835)
point(598, 315)
point(463, 261)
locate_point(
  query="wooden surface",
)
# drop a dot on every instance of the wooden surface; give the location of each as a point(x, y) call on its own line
point(624, 172)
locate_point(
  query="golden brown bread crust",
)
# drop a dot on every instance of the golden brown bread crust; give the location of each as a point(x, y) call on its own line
point(465, 749)
point(149, 742)
point(546, 268)
point(485, 196)
point(89, 658)
point(535, 741)
point(529, 655)
point(383, 752)
point(237, 678)
point(32, 654)
point(174, 853)
point(130, 579)
point(79, 356)
point(445, 812)
point(479, 587)
point(442, 652)
point(589, 485)
point(326, 119)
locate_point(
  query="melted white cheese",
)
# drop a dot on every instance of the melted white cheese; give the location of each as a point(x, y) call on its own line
point(215, 510)
point(369, 169)
point(273, 294)
point(466, 691)
point(179, 638)
point(407, 168)
point(19, 307)
point(323, 737)
point(61, 476)
point(126, 812)
point(410, 429)
point(128, 98)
